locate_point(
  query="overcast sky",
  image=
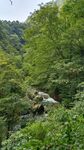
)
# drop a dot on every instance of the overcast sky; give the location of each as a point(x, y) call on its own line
point(19, 10)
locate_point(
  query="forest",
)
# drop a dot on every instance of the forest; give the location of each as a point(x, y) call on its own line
point(42, 59)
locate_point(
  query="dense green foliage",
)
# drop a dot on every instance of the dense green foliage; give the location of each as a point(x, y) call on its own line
point(62, 130)
point(55, 49)
point(45, 53)
point(11, 36)
point(12, 95)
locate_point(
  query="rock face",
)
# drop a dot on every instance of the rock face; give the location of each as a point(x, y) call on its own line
point(39, 100)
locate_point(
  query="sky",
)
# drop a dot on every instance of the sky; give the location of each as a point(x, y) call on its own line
point(19, 10)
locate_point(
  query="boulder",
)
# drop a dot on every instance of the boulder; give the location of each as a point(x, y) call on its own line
point(43, 95)
point(49, 101)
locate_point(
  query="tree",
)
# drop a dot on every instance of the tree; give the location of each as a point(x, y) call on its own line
point(54, 48)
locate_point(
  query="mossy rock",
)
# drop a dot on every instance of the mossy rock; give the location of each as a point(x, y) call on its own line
point(38, 99)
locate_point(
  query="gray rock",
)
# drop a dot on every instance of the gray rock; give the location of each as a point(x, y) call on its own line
point(49, 100)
